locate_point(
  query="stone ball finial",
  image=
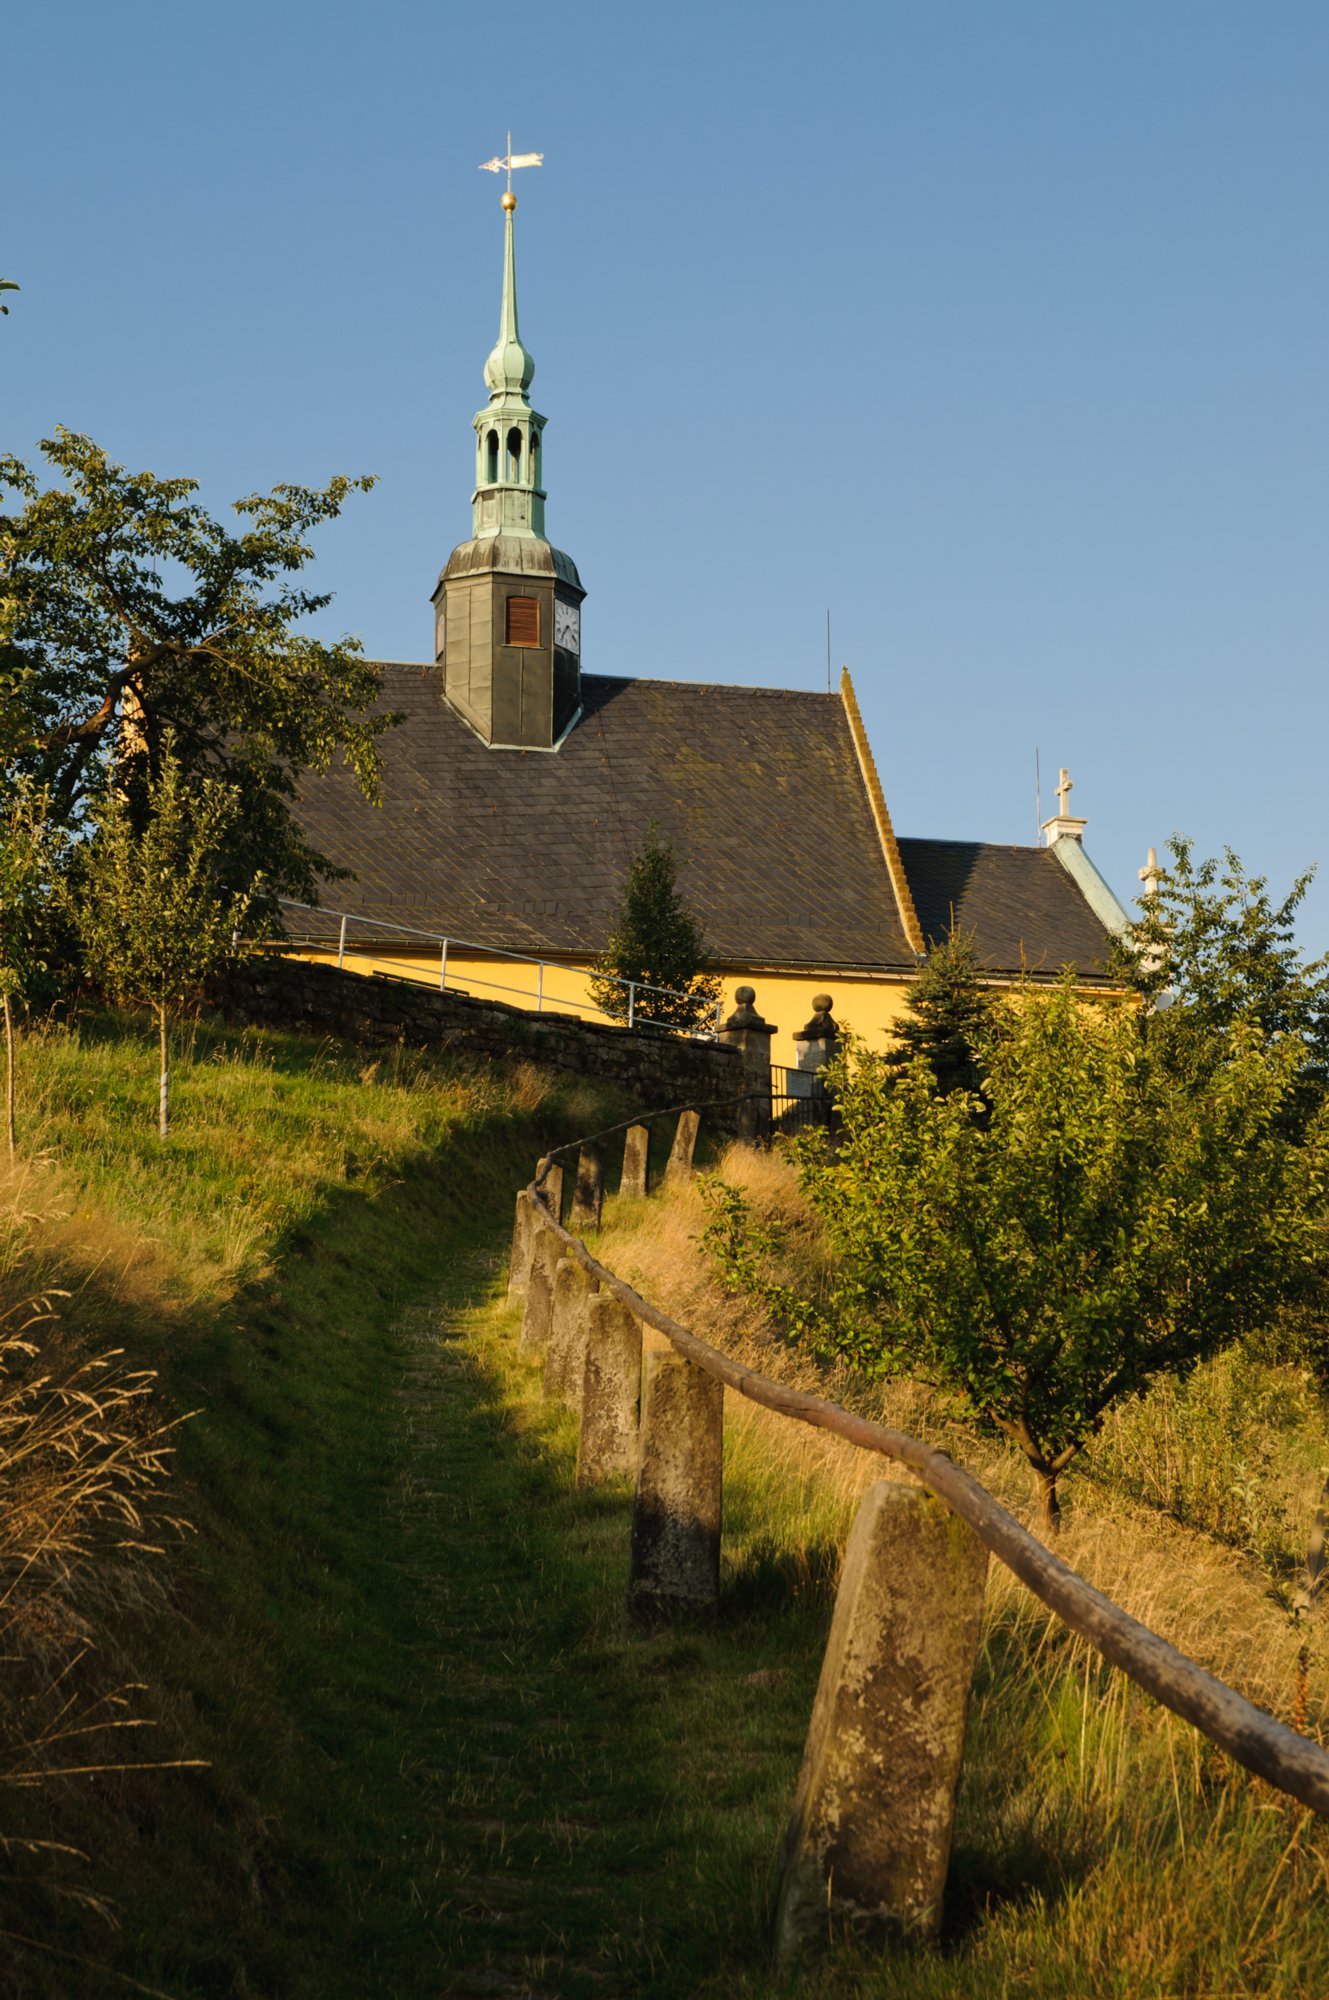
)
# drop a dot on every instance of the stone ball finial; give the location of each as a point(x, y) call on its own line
point(745, 1014)
point(821, 1003)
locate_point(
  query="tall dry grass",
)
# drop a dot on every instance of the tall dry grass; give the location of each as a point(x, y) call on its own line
point(83, 1460)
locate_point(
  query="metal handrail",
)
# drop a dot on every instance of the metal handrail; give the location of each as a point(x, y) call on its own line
point(447, 943)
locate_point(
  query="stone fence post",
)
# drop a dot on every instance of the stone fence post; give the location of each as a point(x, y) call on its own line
point(551, 1189)
point(679, 1167)
point(675, 1561)
point(545, 1256)
point(751, 1036)
point(611, 1392)
point(870, 1839)
point(635, 1183)
point(524, 1225)
point(565, 1354)
point(588, 1193)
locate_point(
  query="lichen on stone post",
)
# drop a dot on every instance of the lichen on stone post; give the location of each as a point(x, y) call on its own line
point(675, 1560)
point(611, 1392)
point(870, 1839)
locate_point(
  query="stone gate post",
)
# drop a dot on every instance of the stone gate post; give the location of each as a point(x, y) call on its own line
point(746, 1031)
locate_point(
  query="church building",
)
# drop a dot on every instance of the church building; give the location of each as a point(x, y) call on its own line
point(519, 785)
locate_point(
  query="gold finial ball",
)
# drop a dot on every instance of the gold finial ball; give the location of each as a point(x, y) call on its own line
point(509, 201)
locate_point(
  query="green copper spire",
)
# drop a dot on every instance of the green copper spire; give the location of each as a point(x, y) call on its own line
point(509, 368)
point(508, 499)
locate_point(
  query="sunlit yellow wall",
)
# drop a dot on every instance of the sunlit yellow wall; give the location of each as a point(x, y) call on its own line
point(558, 989)
point(868, 1006)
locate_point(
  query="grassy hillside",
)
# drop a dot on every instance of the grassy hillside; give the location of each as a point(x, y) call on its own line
point(263, 1263)
point(431, 1761)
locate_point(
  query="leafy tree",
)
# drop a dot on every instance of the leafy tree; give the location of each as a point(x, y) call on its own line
point(951, 1012)
point(1213, 944)
point(656, 941)
point(154, 908)
point(28, 855)
point(1104, 1224)
point(128, 614)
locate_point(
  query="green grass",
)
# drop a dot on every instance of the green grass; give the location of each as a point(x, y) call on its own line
point(434, 1757)
point(437, 1763)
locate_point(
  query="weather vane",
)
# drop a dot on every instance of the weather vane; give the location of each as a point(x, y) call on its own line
point(508, 161)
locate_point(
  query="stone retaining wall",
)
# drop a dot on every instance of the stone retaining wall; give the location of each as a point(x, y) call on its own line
point(662, 1069)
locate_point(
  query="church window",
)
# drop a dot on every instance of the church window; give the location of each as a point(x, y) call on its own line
point(492, 447)
point(514, 453)
point(523, 621)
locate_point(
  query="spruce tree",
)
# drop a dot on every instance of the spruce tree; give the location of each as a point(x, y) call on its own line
point(656, 942)
point(951, 1012)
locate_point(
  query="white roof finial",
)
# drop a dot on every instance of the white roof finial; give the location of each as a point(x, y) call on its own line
point(1150, 875)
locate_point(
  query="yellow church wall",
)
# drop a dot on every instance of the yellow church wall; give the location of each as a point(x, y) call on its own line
point(868, 1006)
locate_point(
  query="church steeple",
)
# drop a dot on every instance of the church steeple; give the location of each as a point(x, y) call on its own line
point(508, 498)
point(507, 607)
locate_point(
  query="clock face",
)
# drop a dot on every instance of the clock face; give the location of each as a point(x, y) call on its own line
point(567, 626)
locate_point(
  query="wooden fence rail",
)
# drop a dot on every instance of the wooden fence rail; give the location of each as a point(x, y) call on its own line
point(1285, 1759)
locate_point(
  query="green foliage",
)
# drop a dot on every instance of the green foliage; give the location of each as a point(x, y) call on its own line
point(30, 847)
point(951, 1013)
point(29, 853)
point(1213, 942)
point(128, 614)
point(658, 942)
point(1102, 1225)
point(153, 908)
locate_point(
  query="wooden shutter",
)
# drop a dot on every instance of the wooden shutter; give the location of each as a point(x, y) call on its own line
point(523, 621)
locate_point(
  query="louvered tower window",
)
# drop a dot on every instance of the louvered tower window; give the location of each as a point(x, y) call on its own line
point(523, 621)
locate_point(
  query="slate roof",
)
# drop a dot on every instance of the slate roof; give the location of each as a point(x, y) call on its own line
point(1018, 904)
point(759, 788)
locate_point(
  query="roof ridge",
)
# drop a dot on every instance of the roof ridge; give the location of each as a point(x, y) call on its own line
point(715, 687)
point(956, 840)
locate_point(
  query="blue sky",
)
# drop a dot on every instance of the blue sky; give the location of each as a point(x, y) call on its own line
point(999, 329)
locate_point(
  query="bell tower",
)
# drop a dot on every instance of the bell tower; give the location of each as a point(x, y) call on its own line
point(507, 607)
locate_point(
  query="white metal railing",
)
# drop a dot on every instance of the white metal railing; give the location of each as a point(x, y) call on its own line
point(445, 944)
